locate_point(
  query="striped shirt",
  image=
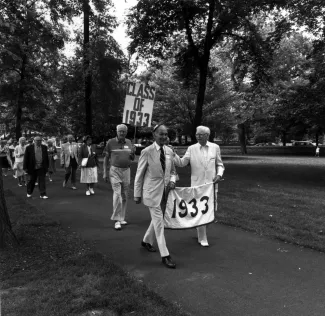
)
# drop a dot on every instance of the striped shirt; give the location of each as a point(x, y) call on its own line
point(119, 153)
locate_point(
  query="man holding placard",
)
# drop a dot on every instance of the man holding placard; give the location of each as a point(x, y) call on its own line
point(119, 153)
point(206, 167)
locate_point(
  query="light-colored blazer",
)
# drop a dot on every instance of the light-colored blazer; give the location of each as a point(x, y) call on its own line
point(150, 180)
point(202, 170)
point(65, 153)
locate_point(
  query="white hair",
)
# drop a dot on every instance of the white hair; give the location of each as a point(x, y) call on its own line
point(203, 129)
point(121, 126)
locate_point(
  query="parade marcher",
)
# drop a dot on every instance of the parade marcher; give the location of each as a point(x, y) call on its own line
point(206, 167)
point(31, 142)
point(89, 165)
point(119, 154)
point(155, 174)
point(69, 160)
point(53, 156)
point(12, 146)
point(317, 151)
point(5, 161)
point(19, 161)
point(36, 164)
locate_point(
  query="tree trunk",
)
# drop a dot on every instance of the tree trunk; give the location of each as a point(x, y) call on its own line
point(317, 139)
point(87, 70)
point(242, 138)
point(20, 97)
point(7, 236)
point(284, 138)
point(200, 95)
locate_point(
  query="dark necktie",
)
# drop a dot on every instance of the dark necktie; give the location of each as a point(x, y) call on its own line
point(162, 158)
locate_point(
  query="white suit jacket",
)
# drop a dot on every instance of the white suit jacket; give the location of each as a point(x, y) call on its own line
point(202, 170)
point(65, 153)
point(150, 180)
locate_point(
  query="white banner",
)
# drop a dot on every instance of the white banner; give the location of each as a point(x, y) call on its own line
point(138, 104)
point(190, 207)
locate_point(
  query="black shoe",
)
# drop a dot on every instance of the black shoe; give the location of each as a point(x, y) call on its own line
point(148, 246)
point(167, 261)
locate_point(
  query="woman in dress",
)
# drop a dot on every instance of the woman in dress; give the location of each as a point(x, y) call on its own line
point(89, 165)
point(4, 157)
point(53, 156)
point(19, 161)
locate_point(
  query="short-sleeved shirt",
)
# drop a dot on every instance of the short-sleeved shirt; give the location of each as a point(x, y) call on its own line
point(120, 153)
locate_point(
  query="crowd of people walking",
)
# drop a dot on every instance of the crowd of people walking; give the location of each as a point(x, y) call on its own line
point(156, 173)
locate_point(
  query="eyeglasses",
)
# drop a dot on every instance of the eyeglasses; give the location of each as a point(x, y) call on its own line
point(200, 135)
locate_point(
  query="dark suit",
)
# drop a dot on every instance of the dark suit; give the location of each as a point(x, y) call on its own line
point(30, 167)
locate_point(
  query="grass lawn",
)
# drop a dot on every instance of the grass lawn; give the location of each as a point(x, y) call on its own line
point(280, 197)
point(53, 273)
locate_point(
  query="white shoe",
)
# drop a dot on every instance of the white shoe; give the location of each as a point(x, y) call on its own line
point(87, 192)
point(117, 226)
point(50, 179)
point(20, 185)
point(29, 195)
point(74, 187)
point(91, 190)
point(15, 176)
point(44, 197)
point(204, 243)
point(36, 183)
point(124, 222)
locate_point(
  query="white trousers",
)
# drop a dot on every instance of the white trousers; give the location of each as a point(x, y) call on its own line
point(202, 230)
point(120, 180)
point(156, 227)
point(202, 233)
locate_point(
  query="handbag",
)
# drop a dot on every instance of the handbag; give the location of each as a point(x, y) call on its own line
point(84, 162)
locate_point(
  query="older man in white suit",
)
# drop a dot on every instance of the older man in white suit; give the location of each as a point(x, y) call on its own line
point(155, 174)
point(206, 167)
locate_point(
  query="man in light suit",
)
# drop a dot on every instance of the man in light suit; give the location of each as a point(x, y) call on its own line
point(155, 174)
point(69, 160)
point(206, 167)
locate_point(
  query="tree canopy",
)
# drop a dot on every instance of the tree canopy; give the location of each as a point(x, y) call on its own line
point(199, 26)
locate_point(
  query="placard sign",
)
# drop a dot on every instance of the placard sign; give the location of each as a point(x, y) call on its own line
point(190, 207)
point(139, 104)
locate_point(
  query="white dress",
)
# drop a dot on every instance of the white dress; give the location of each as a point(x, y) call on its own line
point(89, 174)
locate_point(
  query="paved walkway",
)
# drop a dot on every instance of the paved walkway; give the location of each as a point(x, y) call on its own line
point(239, 274)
